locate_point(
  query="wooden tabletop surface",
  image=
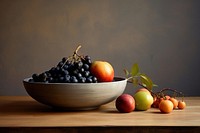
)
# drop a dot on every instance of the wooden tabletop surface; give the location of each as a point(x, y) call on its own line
point(23, 111)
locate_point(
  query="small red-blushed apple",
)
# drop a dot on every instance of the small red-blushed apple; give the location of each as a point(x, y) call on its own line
point(125, 103)
point(156, 102)
point(143, 100)
point(103, 71)
point(167, 97)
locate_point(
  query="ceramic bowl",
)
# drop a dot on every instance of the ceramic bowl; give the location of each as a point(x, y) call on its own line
point(75, 96)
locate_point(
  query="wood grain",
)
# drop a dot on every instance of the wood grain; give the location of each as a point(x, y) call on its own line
point(23, 111)
point(18, 112)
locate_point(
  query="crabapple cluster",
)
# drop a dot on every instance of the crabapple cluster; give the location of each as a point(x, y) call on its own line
point(167, 103)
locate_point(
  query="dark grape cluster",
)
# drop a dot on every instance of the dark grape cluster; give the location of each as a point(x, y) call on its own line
point(75, 70)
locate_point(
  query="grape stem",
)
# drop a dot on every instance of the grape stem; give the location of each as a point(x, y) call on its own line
point(74, 57)
point(76, 51)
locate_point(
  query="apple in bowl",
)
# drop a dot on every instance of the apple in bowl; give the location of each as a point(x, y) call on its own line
point(103, 71)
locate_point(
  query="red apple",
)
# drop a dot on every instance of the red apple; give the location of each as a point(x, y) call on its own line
point(103, 71)
point(125, 103)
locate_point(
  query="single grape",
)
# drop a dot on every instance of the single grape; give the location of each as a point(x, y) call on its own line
point(67, 78)
point(87, 60)
point(79, 75)
point(42, 77)
point(82, 80)
point(50, 79)
point(89, 80)
point(65, 72)
point(52, 70)
point(60, 64)
point(87, 57)
point(31, 80)
point(48, 74)
point(61, 79)
point(74, 72)
point(86, 66)
point(35, 77)
point(73, 79)
point(65, 67)
point(81, 70)
point(57, 69)
point(78, 65)
point(86, 73)
point(94, 79)
point(64, 59)
point(68, 63)
point(70, 67)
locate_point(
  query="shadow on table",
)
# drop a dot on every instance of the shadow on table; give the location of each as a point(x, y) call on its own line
point(33, 107)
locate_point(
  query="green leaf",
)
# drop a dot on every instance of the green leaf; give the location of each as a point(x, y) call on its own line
point(146, 81)
point(134, 70)
point(126, 72)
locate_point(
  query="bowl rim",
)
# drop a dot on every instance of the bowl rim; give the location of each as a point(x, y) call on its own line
point(116, 79)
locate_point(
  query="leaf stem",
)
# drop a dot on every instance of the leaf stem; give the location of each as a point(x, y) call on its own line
point(152, 93)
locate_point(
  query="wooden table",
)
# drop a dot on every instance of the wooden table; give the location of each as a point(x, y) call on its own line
point(23, 114)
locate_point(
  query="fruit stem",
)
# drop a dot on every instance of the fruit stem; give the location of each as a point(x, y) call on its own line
point(173, 90)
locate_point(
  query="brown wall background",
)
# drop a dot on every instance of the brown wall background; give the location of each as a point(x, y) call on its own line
point(161, 36)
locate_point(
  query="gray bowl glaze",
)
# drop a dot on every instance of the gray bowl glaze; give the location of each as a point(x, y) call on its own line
point(75, 96)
